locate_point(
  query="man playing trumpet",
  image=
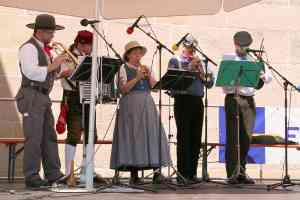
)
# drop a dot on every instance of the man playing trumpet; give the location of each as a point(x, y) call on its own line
point(189, 110)
point(39, 70)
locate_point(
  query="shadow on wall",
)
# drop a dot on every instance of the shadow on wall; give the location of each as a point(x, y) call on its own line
point(10, 121)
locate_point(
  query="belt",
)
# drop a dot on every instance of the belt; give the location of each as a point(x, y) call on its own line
point(71, 93)
point(242, 96)
point(38, 88)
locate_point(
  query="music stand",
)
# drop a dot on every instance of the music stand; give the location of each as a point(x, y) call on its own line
point(110, 66)
point(235, 74)
point(82, 73)
point(176, 79)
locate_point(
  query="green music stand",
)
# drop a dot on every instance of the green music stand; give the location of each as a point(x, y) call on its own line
point(247, 72)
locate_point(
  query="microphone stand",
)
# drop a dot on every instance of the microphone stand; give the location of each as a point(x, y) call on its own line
point(107, 43)
point(160, 47)
point(286, 181)
point(205, 175)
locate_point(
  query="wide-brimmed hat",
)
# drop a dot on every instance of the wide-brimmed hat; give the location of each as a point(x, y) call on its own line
point(243, 38)
point(84, 37)
point(133, 45)
point(45, 21)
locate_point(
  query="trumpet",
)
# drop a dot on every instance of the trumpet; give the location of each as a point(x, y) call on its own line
point(196, 63)
point(60, 49)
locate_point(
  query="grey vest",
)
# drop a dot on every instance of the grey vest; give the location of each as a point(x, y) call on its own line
point(42, 61)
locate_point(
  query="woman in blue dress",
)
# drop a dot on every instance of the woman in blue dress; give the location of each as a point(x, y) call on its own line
point(136, 134)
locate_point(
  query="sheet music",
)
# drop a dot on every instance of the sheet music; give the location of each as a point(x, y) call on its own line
point(80, 61)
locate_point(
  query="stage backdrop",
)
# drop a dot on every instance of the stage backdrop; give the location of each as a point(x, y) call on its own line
point(269, 121)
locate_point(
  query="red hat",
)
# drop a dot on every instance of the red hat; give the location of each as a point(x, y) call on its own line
point(84, 37)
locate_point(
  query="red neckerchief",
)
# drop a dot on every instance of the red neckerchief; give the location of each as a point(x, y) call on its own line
point(47, 50)
point(187, 57)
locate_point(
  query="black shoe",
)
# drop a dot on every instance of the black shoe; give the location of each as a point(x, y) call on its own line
point(135, 181)
point(195, 179)
point(233, 181)
point(36, 184)
point(244, 179)
point(184, 181)
point(180, 180)
point(158, 178)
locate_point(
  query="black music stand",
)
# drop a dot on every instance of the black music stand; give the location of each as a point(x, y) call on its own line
point(176, 79)
point(110, 66)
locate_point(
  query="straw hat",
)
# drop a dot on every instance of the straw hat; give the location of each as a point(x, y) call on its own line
point(45, 21)
point(133, 45)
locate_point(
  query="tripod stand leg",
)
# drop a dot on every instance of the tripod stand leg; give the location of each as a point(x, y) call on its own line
point(286, 182)
point(116, 178)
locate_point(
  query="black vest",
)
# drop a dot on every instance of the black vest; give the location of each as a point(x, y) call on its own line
point(42, 61)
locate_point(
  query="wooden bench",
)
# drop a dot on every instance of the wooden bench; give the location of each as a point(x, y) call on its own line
point(290, 146)
point(13, 153)
point(211, 146)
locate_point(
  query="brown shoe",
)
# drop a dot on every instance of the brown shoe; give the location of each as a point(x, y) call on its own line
point(71, 181)
point(100, 180)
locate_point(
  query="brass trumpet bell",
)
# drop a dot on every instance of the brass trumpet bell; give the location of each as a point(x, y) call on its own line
point(60, 49)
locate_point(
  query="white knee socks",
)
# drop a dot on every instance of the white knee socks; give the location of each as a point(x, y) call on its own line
point(70, 151)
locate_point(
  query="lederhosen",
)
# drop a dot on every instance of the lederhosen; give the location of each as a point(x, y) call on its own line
point(34, 104)
point(75, 114)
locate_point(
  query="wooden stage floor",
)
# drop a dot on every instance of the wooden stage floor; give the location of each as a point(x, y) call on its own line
point(198, 191)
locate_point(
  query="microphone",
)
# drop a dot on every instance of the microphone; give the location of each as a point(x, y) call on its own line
point(248, 50)
point(298, 88)
point(175, 46)
point(130, 29)
point(86, 22)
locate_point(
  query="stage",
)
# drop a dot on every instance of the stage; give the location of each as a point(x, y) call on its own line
point(197, 191)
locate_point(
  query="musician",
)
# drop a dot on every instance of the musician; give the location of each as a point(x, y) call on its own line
point(188, 110)
point(39, 69)
point(136, 134)
point(247, 113)
point(82, 46)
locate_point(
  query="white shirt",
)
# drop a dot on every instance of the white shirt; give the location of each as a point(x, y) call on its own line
point(245, 91)
point(28, 58)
